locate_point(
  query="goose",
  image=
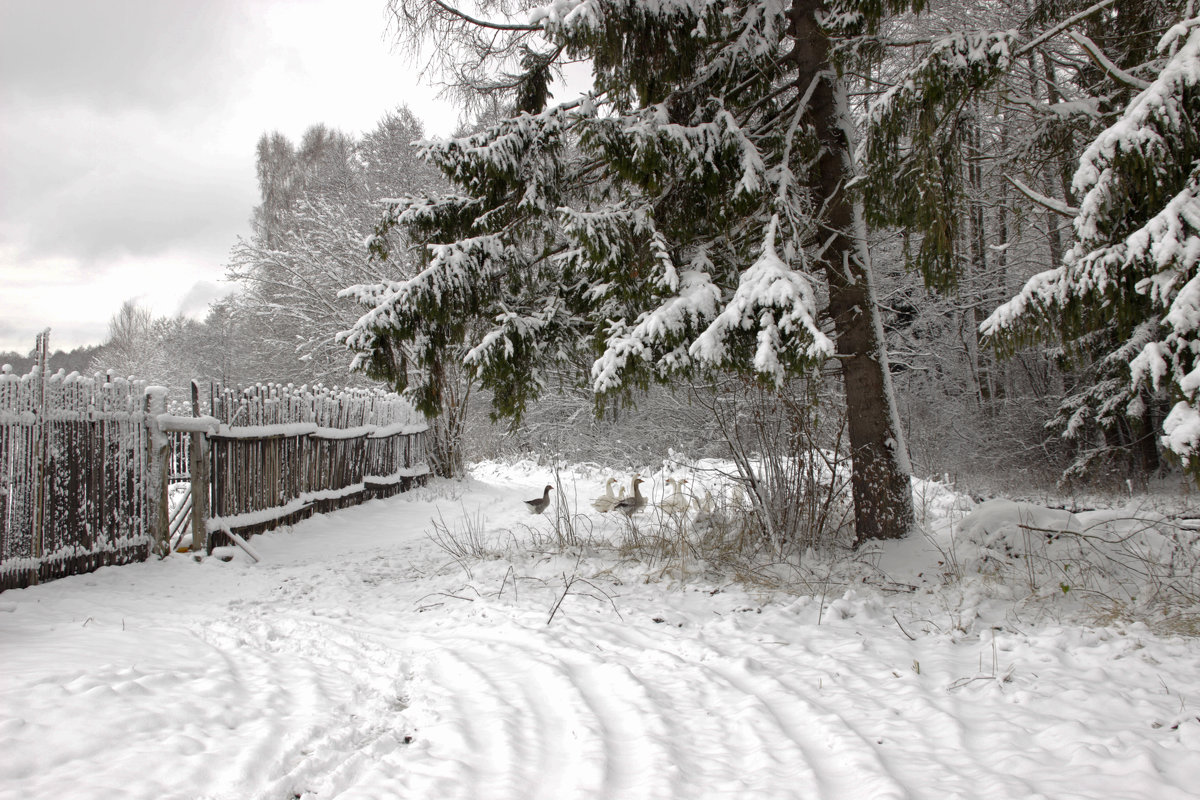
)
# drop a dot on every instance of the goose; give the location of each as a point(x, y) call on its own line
point(631, 505)
point(604, 504)
point(539, 504)
point(676, 503)
point(704, 511)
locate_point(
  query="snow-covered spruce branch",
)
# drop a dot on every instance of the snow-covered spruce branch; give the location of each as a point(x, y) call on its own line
point(454, 270)
point(781, 303)
point(1049, 203)
point(1143, 164)
point(1105, 63)
point(954, 63)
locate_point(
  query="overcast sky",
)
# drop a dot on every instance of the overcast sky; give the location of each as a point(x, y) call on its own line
point(127, 134)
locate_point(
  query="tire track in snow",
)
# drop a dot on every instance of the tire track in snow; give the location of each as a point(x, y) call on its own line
point(520, 720)
point(333, 694)
point(940, 731)
point(582, 709)
point(540, 717)
point(842, 764)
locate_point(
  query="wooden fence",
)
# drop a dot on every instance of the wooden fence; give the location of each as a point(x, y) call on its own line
point(282, 453)
point(86, 466)
point(76, 490)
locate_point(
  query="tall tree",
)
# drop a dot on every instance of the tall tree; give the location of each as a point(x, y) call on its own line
point(320, 202)
point(1049, 79)
point(132, 347)
point(1134, 271)
point(690, 214)
point(163, 350)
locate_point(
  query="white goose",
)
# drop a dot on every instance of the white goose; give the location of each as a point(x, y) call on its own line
point(604, 504)
point(677, 502)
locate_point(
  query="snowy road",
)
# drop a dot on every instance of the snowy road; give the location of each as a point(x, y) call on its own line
point(359, 661)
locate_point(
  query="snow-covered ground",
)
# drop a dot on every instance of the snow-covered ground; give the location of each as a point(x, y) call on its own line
point(359, 659)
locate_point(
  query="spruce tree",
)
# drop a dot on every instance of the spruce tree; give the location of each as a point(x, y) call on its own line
point(1045, 82)
point(692, 213)
point(1132, 274)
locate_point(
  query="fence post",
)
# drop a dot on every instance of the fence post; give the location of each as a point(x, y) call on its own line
point(198, 469)
point(158, 465)
point(40, 434)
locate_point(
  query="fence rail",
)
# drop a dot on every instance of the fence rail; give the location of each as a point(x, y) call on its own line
point(86, 464)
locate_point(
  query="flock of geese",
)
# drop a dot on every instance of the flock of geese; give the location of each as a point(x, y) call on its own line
point(676, 502)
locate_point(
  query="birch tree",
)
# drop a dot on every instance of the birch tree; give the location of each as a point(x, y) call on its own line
point(320, 203)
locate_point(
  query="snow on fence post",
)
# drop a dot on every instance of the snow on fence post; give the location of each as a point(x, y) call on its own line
point(158, 461)
point(198, 469)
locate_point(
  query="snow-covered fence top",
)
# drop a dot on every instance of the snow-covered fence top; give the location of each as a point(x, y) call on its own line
point(68, 397)
point(288, 410)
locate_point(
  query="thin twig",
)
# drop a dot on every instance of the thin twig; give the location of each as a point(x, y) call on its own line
point(911, 638)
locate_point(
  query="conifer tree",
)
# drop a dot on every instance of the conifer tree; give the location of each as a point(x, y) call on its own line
point(692, 213)
point(1133, 271)
point(1051, 80)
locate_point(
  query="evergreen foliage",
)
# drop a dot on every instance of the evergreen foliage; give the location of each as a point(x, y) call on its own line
point(689, 214)
point(915, 178)
point(1133, 270)
point(977, 114)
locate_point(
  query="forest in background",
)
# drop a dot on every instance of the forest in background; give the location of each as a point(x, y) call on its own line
point(1053, 408)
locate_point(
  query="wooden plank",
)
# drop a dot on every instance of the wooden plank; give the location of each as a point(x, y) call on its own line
point(198, 470)
point(157, 478)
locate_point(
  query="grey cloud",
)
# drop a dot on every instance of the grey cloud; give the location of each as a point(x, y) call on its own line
point(126, 188)
point(200, 296)
point(115, 53)
point(136, 214)
point(19, 334)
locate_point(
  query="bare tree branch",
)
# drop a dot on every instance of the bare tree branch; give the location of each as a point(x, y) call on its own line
point(1050, 203)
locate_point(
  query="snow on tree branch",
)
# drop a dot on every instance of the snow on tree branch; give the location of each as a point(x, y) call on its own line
point(1137, 251)
point(780, 305)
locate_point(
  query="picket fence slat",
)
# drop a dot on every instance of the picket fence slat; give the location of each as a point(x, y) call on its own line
point(72, 460)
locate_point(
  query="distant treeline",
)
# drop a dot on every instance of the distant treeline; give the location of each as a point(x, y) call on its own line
point(77, 360)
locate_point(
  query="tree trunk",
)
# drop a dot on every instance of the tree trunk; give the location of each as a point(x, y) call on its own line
point(880, 472)
point(978, 274)
point(1000, 277)
point(1065, 169)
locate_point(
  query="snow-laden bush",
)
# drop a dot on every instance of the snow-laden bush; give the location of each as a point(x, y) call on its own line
point(1120, 559)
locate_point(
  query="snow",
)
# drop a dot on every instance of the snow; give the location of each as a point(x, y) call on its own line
point(1182, 430)
point(175, 422)
point(781, 302)
point(361, 660)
